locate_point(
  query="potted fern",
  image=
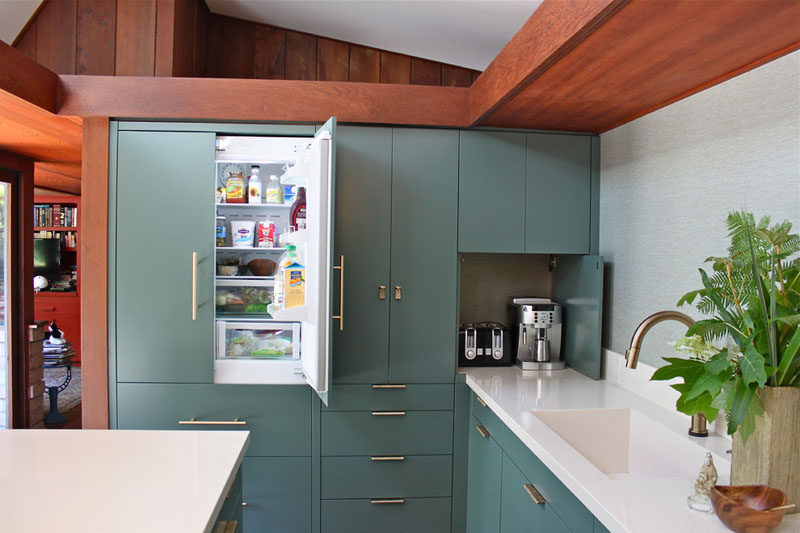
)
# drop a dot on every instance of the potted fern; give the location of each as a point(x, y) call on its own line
point(752, 299)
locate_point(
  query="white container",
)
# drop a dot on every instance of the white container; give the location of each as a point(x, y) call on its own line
point(242, 233)
point(254, 186)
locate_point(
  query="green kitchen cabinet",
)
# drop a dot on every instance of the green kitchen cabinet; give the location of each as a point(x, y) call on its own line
point(484, 481)
point(426, 476)
point(558, 194)
point(276, 494)
point(396, 226)
point(519, 512)
point(278, 417)
point(491, 192)
point(164, 193)
point(424, 285)
point(396, 515)
point(363, 237)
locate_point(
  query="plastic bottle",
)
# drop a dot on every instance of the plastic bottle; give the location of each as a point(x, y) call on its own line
point(297, 214)
point(294, 285)
point(254, 185)
point(274, 192)
point(279, 295)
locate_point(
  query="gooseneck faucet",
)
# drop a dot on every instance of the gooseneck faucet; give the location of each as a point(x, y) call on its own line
point(698, 427)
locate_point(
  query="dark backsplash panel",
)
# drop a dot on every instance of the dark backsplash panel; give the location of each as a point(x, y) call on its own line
point(490, 281)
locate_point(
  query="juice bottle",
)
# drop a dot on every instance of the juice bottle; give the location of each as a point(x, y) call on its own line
point(274, 192)
point(235, 189)
point(294, 285)
point(279, 294)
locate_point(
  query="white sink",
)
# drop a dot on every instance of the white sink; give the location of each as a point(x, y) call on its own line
point(623, 443)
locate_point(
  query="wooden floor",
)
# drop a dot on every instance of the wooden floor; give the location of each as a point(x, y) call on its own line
point(73, 420)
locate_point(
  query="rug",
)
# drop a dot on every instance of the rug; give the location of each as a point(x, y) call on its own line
point(69, 397)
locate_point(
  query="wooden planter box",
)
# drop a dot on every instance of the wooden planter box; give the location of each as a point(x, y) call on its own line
point(771, 455)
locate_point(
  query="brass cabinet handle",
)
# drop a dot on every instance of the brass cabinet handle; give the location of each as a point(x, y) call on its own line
point(383, 500)
point(534, 494)
point(398, 292)
point(388, 413)
point(194, 422)
point(483, 431)
point(194, 285)
point(480, 401)
point(388, 386)
point(340, 316)
point(388, 458)
point(381, 292)
point(244, 504)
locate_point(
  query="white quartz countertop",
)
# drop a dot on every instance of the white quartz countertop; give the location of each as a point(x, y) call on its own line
point(99, 481)
point(635, 505)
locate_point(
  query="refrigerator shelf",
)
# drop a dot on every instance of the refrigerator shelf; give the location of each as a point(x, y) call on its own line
point(254, 206)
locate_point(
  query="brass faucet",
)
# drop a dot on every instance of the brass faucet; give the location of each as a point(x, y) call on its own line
point(698, 427)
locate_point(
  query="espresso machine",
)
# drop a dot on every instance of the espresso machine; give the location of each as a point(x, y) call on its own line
point(539, 335)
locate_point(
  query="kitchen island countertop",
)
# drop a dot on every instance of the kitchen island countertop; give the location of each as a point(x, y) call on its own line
point(632, 505)
point(98, 481)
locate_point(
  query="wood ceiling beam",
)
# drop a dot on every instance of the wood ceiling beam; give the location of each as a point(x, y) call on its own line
point(268, 100)
point(554, 29)
point(26, 79)
point(49, 176)
point(629, 60)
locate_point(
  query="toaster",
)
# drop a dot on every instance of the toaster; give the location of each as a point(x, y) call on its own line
point(484, 344)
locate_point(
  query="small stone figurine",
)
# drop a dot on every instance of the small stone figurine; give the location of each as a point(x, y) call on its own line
point(707, 478)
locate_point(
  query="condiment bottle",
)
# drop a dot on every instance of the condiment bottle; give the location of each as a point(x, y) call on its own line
point(297, 214)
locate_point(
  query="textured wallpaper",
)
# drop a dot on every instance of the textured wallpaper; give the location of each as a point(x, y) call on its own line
point(668, 180)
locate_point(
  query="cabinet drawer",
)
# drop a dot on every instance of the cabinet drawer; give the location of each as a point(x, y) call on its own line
point(387, 476)
point(568, 507)
point(428, 515)
point(368, 433)
point(488, 419)
point(277, 417)
point(382, 397)
point(276, 492)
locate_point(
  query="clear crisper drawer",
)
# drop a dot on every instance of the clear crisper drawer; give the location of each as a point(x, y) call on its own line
point(243, 297)
point(258, 340)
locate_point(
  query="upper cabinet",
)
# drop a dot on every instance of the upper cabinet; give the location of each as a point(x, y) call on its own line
point(524, 193)
point(396, 227)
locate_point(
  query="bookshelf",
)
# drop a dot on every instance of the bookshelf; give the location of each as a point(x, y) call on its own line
point(59, 217)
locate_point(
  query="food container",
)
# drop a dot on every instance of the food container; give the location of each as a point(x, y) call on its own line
point(242, 233)
point(258, 340)
point(243, 297)
point(228, 270)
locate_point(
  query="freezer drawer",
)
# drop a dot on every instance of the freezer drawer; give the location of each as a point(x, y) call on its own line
point(258, 340)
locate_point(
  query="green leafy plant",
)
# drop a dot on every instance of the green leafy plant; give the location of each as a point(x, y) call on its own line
point(752, 298)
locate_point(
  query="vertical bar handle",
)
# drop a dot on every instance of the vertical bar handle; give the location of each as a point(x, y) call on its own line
point(194, 285)
point(340, 316)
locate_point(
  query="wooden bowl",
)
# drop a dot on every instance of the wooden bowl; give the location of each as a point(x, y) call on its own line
point(748, 508)
point(261, 267)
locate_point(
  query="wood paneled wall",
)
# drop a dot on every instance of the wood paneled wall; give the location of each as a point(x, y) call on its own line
point(183, 38)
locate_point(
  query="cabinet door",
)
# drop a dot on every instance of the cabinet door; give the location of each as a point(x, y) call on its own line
point(164, 257)
point(483, 484)
point(578, 286)
point(363, 233)
point(519, 513)
point(276, 492)
point(491, 192)
point(558, 194)
point(424, 324)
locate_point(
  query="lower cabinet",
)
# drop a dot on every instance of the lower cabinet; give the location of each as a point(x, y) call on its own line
point(484, 471)
point(276, 494)
point(399, 515)
point(509, 490)
point(276, 474)
point(519, 509)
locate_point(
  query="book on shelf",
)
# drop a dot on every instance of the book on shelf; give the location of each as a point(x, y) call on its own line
point(69, 239)
point(55, 215)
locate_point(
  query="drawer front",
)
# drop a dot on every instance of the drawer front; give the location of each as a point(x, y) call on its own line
point(488, 419)
point(276, 492)
point(383, 397)
point(277, 417)
point(424, 515)
point(387, 476)
point(365, 433)
point(569, 508)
